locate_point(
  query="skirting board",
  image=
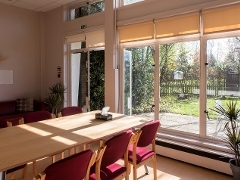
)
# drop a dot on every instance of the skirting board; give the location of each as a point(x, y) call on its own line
point(194, 159)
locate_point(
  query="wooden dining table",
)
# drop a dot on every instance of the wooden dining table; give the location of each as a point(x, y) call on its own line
point(29, 142)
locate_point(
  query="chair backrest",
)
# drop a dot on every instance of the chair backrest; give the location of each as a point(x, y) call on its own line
point(14, 121)
point(148, 133)
point(71, 110)
point(37, 116)
point(116, 148)
point(74, 167)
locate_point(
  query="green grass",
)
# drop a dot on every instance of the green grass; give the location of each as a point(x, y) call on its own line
point(190, 105)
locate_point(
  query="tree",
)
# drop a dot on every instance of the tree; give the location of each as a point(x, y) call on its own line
point(142, 77)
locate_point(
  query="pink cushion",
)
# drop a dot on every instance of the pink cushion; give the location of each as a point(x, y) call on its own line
point(142, 154)
point(110, 172)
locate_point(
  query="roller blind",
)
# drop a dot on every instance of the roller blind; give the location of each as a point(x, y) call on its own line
point(136, 32)
point(95, 39)
point(75, 38)
point(178, 25)
point(221, 19)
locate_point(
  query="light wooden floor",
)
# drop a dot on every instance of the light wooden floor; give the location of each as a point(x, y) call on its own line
point(168, 169)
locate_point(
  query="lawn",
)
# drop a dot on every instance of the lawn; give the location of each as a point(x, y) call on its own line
point(190, 105)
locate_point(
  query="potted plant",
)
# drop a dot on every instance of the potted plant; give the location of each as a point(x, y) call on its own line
point(55, 97)
point(232, 130)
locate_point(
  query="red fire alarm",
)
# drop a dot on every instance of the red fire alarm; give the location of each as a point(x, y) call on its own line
point(59, 70)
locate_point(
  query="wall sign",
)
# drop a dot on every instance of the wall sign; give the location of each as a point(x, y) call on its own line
point(59, 71)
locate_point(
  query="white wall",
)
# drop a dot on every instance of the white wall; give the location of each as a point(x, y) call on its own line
point(19, 43)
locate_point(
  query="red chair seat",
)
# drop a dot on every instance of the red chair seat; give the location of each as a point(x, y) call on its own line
point(142, 154)
point(110, 172)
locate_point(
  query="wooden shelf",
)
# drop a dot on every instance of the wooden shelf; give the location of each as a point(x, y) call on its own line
point(2, 58)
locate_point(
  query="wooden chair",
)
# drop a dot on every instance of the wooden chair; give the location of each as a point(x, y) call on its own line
point(139, 153)
point(74, 167)
point(68, 111)
point(107, 167)
point(35, 117)
point(14, 122)
point(71, 110)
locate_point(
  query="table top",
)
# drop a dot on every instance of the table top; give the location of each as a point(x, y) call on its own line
point(28, 142)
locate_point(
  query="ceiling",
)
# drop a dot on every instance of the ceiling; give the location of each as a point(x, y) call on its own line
point(37, 5)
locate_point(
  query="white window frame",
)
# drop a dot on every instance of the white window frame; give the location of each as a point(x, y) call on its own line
point(200, 139)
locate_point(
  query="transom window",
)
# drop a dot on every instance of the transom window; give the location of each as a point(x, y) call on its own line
point(87, 9)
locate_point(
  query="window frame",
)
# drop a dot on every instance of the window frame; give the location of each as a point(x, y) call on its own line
point(200, 139)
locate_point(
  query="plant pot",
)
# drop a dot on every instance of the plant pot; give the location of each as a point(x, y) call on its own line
point(235, 169)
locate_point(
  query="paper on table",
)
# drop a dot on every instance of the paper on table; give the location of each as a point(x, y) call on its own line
point(105, 111)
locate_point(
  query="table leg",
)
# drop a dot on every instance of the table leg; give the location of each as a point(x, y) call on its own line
point(3, 175)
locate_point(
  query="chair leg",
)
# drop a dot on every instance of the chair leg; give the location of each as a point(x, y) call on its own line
point(134, 172)
point(155, 167)
point(62, 155)
point(53, 158)
point(146, 169)
point(11, 176)
point(69, 152)
point(84, 147)
point(25, 173)
point(127, 173)
point(34, 168)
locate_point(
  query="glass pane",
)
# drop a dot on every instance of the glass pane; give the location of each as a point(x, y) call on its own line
point(139, 81)
point(127, 2)
point(96, 7)
point(97, 80)
point(76, 45)
point(179, 86)
point(89, 8)
point(223, 57)
point(79, 79)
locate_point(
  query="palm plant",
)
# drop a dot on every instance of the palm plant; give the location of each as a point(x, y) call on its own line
point(55, 97)
point(232, 130)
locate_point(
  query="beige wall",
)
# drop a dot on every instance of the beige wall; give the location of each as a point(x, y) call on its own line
point(19, 43)
point(54, 51)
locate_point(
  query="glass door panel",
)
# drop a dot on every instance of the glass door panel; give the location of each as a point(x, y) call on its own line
point(97, 79)
point(78, 79)
point(179, 86)
point(139, 81)
point(223, 57)
point(87, 80)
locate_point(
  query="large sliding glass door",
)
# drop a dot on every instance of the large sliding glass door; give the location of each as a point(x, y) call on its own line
point(223, 82)
point(139, 81)
point(179, 86)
